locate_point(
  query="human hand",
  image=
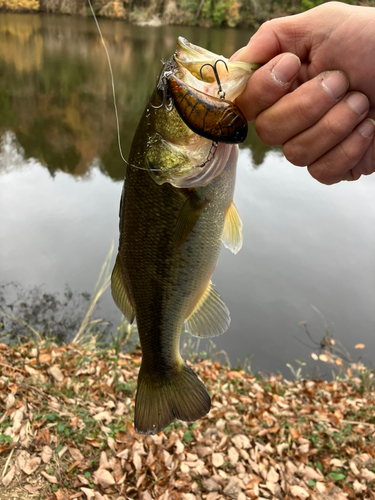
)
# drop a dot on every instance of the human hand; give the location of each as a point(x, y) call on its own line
point(322, 109)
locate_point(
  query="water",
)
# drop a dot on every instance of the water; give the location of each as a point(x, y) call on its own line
point(61, 178)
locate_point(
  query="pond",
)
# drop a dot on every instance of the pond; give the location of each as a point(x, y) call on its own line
point(307, 246)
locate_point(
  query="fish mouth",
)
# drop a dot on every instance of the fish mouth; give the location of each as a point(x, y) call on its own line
point(191, 163)
point(195, 62)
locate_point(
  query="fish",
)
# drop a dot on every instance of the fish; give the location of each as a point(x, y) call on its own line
point(176, 210)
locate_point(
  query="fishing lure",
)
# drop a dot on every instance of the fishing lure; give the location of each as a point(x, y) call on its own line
point(211, 117)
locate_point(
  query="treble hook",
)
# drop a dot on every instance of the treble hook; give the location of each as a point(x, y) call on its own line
point(165, 97)
point(220, 92)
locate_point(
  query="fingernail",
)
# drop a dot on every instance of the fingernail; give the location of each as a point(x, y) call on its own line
point(286, 69)
point(366, 128)
point(358, 102)
point(335, 83)
point(235, 57)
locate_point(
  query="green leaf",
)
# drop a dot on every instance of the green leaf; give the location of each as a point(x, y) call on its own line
point(51, 417)
point(311, 483)
point(337, 476)
point(87, 475)
point(319, 466)
point(188, 436)
point(61, 427)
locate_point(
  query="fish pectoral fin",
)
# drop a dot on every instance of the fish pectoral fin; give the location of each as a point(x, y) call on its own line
point(160, 399)
point(189, 214)
point(119, 293)
point(232, 233)
point(211, 316)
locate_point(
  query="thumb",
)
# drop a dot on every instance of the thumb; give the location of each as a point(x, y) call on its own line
point(268, 84)
point(287, 34)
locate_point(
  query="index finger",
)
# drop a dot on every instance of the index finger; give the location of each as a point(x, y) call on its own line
point(268, 84)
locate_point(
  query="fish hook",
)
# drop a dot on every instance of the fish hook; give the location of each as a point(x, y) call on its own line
point(220, 92)
point(169, 107)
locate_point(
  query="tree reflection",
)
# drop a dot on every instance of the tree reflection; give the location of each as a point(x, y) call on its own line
point(56, 94)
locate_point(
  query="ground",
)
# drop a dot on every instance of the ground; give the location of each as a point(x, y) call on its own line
point(66, 432)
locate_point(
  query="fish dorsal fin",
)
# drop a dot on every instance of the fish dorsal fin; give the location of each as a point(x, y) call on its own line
point(119, 293)
point(189, 214)
point(232, 234)
point(211, 316)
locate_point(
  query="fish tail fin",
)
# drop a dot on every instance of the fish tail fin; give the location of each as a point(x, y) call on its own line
point(160, 400)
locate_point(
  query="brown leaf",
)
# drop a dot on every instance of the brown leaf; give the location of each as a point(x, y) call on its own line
point(217, 459)
point(233, 455)
point(298, 491)
point(294, 433)
point(7, 479)
point(62, 494)
point(50, 479)
point(76, 454)
point(46, 454)
point(56, 373)
point(42, 438)
point(73, 465)
point(31, 465)
point(93, 442)
point(104, 478)
point(89, 493)
point(32, 489)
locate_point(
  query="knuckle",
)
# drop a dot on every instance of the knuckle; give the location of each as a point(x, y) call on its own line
point(265, 131)
point(295, 154)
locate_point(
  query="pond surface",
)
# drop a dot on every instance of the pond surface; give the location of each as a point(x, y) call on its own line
point(305, 244)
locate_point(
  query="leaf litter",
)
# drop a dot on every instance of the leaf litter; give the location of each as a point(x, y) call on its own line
point(66, 432)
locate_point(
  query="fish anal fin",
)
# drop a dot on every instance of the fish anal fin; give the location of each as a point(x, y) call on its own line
point(188, 216)
point(161, 399)
point(232, 234)
point(211, 316)
point(119, 293)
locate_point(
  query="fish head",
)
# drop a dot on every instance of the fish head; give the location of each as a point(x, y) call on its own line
point(174, 153)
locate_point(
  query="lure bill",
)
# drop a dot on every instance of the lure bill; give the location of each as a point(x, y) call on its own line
point(176, 211)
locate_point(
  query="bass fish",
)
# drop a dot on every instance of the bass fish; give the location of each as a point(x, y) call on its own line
point(176, 210)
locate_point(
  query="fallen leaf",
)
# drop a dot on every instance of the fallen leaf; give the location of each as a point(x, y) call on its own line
point(88, 492)
point(233, 455)
point(104, 478)
point(31, 465)
point(32, 489)
point(298, 491)
point(7, 479)
point(76, 454)
point(46, 454)
point(50, 479)
point(217, 459)
point(56, 373)
point(42, 438)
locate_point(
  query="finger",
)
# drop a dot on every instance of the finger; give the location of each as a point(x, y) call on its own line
point(301, 109)
point(366, 165)
point(297, 34)
point(330, 130)
point(347, 157)
point(268, 84)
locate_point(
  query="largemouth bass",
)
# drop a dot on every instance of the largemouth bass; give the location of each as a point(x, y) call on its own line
point(175, 212)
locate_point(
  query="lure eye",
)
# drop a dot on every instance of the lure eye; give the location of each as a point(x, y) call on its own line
point(239, 136)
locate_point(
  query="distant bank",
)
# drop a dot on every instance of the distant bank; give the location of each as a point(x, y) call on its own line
point(204, 13)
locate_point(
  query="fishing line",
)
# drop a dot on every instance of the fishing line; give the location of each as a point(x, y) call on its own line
point(114, 93)
point(211, 153)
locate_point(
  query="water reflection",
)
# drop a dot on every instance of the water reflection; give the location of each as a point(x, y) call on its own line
point(55, 88)
point(304, 243)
